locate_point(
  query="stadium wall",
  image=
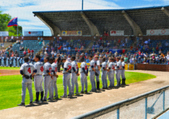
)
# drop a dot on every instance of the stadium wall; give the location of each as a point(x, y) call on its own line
point(152, 67)
point(92, 38)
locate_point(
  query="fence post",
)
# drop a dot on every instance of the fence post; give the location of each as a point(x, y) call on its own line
point(146, 108)
point(163, 100)
point(118, 114)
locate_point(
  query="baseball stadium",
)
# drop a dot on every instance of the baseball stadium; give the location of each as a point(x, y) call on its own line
point(97, 64)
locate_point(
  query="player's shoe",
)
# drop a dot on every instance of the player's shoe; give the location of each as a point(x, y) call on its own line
point(77, 94)
point(85, 91)
point(56, 98)
point(36, 102)
point(31, 103)
point(63, 96)
point(82, 92)
point(21, 104)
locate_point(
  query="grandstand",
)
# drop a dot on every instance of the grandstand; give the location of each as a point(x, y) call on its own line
point(95, 22)
point(29, 44)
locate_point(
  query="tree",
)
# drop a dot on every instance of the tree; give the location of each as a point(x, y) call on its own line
point(4, 19)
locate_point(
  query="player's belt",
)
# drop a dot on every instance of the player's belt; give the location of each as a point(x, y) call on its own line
point(38, 74)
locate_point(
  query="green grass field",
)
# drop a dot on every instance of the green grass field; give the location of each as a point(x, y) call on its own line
point(10, 68)
point(10, 87)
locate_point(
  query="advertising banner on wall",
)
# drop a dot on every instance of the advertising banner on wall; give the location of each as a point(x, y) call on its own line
point(4, 33)
point(71, 33)
point(33, 33)
point(158, 32)
point(116, 33)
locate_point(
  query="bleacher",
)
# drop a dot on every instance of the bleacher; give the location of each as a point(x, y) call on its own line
point(29, 44)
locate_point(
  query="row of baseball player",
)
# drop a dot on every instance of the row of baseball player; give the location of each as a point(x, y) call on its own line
point(47, 73)
point(11, 61)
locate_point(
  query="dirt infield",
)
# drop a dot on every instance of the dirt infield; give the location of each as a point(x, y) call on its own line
point(6, 72)
point(68, 108)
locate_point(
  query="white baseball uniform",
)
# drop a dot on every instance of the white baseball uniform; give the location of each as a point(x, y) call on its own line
point(83, 75)
point(54, 81)
point(74, 76)
point(92, 74)
point(38, 79)
point(66, 78)
point(104, 74)
point(47, 79)
point(27, 69)
point(111, 66)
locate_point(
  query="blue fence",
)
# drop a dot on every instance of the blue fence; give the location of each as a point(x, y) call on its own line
point(145, 106)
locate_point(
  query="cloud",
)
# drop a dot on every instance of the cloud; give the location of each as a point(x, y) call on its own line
point(26, 4)
point(23, 10)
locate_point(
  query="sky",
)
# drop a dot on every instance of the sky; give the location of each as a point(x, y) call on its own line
point(23, 9)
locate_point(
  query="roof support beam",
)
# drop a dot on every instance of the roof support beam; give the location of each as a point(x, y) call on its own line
point(165, 11)
point(93, 29)
point(136, 29)
point(53, 28)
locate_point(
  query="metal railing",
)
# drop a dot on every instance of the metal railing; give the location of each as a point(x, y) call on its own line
point(144, 106)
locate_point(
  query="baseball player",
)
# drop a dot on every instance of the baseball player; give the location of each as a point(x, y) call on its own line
point(2, 61)
point(111, 71)
point(26, 71)
point(97, 73)
point(104, 73)
point(84, 74)
point(123, 72)
point(54, 81)
point(47, 78)
point(38, 79)
point(66, 76)
point(10, 62)
point(74, 75)
point(118, 70)
point(7, 61)
point(18, 61)
point(92, 73)
point(14, 61)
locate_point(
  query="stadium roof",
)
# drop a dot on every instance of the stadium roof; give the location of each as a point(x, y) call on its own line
point(133, 21)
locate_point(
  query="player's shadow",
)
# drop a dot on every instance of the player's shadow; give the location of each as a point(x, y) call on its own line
point(72, 97)
point(88, 93)
point(78, 95)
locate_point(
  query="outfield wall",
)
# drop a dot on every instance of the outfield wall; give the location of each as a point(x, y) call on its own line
point(152, 67)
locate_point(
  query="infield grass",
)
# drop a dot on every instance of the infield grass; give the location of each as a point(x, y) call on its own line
point(10, 87)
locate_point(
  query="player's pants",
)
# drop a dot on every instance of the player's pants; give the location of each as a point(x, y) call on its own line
point(74, 82)
point(83, 78)
point(14, 64)
point(97, 77)
point(92, 80)
point(26, 83)
point(47, 86)
point(123, 74)
point(7, 63)
point(54, 86)
point(111, 78)
point(118, 72)
point(2, 62)
point(66, 82)
point(38, 79)
point(104, 79)
point(17, 63)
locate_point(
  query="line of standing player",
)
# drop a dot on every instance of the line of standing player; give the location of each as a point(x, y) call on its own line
point(47, 72)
